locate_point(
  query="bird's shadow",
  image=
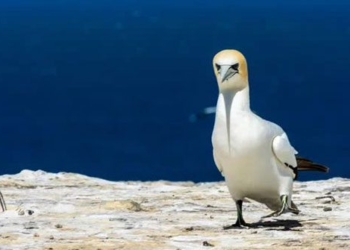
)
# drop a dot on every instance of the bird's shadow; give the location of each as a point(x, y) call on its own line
point(280, 225)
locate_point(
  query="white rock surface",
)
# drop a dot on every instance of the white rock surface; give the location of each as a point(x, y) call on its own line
point(72, 211)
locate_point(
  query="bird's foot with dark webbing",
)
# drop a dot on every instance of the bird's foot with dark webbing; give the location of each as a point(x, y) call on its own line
point(240, 223)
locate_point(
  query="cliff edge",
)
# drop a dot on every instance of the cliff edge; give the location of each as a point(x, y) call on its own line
point(71, 211)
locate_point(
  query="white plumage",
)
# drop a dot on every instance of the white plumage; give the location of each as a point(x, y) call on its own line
point(254, 155)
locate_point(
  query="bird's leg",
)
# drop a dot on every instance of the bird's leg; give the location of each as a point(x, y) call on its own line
point(284, 208)
point(240, 223)
point(2, 202)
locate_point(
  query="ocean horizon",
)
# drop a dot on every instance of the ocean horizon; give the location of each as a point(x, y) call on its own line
point(106, 88)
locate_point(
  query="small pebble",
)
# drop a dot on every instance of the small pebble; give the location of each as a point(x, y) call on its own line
point(207, 244)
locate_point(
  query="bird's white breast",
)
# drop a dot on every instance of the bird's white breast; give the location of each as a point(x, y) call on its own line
point(248, 163)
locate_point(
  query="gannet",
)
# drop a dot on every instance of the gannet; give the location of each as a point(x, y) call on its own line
point(254, 155)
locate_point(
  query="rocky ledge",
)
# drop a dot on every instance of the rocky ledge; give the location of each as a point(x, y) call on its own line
point(72, 211)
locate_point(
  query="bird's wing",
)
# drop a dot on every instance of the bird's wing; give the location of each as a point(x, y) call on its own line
point(308, 165)
point(284, 151)
point(218, 165)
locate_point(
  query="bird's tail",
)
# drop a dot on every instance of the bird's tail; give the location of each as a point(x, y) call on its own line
point(307, 165)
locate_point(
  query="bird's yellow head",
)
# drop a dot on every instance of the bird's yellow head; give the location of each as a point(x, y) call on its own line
point(230, 68)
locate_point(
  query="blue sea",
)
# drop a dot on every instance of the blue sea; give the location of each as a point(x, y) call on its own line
point(105, 88)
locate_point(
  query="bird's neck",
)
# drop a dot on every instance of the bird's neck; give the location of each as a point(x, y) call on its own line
point(237, 100)
point(230, 104)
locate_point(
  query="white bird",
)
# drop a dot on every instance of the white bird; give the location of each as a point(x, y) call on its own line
point(253, 154)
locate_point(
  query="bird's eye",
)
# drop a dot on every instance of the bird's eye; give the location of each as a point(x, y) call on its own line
point(218, 67)
point(235, 66)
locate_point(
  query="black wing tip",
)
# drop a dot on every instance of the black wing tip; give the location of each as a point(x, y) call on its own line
point(305, 164)
point(320, 168)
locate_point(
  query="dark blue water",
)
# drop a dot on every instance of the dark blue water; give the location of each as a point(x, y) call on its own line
point(105, 88)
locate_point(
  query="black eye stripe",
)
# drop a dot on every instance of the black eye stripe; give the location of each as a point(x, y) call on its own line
point(235, 66)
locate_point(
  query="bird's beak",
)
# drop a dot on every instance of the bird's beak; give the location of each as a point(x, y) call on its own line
point(227, 72)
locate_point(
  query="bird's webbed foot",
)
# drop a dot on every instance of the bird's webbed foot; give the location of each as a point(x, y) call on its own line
point(240, 223)
point(284, 208)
